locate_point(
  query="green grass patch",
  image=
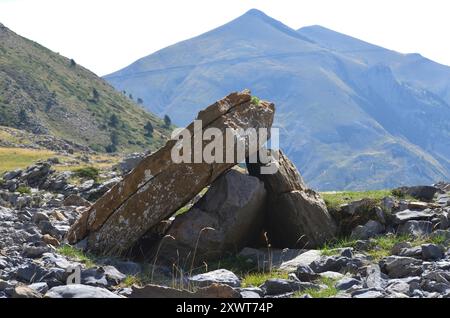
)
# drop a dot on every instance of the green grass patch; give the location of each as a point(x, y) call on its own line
point(24, 190)
point(335, 199)
point(87, 173)
point(327, 292)
point(332, 248)
point(257, 279)
point(255, 100)
point(77, 254)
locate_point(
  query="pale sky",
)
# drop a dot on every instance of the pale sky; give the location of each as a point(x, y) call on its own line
point(106, 35)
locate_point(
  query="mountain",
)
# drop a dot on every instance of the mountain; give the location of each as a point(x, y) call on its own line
point(46, 93)
point(352, 115)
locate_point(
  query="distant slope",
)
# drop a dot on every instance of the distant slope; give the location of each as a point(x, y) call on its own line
point(348, 121)
point(43, 92)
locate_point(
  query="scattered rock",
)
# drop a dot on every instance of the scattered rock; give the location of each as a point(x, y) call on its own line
point(425, 193)
point(305, 274)
point(79, 291)
point(432, 252)
point(76, 200)
point(399, 266)
point(369, 230)
point(409, 215)
point(48, 239)
point(416, 228)
point(25, 292)
point(347, 283)
point(220, 276)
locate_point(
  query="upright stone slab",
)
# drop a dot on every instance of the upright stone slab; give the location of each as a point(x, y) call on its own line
point(158, 187)
point(296, 216)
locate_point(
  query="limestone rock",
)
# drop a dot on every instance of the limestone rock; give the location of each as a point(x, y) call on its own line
point(227, 218)
point(158, 187)
point(296, 216)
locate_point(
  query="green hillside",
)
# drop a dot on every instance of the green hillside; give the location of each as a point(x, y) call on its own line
point(46, 93)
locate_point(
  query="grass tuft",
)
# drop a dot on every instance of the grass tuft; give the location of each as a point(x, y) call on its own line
point(257, 279)
point(72, 252)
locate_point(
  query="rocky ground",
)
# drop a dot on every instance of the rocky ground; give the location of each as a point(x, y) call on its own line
point(395, 247)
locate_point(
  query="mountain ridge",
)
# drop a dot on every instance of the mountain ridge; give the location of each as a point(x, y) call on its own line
point(44, 92)
point(348, 121)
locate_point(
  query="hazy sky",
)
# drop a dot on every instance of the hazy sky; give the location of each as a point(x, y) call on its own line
point(106, 35)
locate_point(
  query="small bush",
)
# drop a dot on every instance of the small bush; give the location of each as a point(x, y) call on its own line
point(255, 100)
point(24, 190)
point(87, 173)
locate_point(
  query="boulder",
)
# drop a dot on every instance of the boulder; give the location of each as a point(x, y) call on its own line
point(416, 228)
point(226, 219)
point(399, 267)
point(220, 276)
point(425, 193)
point(158, 187)
point(409, 215)
point(295, 216)
point(369, 230)
point(432, 252)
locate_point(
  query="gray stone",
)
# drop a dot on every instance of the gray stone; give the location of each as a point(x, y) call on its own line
point(305, 274)
point(398, 266)
point(12, 174)
point(374, 279)
point(306, 259)
point(79, 291)
point(432, 252)
point(220, 276)
point(94, 277)
point(369, 230)
point(251, 292)
point(399, 287)
point(409, 215)
point(297, 217)
point(347, 283)
point(415, 252)
point(347, 252)
point(336, 264)
point(227, 218)
point(41, 288)
point(331, 275)
point(34, 251)
point(425, 193)
point(416, 228)
point(113, 276)
point(367, 293)
point(398, 247)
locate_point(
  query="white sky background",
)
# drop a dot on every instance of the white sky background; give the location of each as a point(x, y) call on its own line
point(106, 35)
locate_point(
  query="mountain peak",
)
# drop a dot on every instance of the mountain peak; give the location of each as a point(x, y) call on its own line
point(256, 13)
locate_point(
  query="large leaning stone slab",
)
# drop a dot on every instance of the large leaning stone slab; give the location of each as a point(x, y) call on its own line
point(158, 187)
point(296, 216)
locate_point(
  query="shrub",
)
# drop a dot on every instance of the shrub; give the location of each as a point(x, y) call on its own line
point(87, 173)
point(24, 190)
